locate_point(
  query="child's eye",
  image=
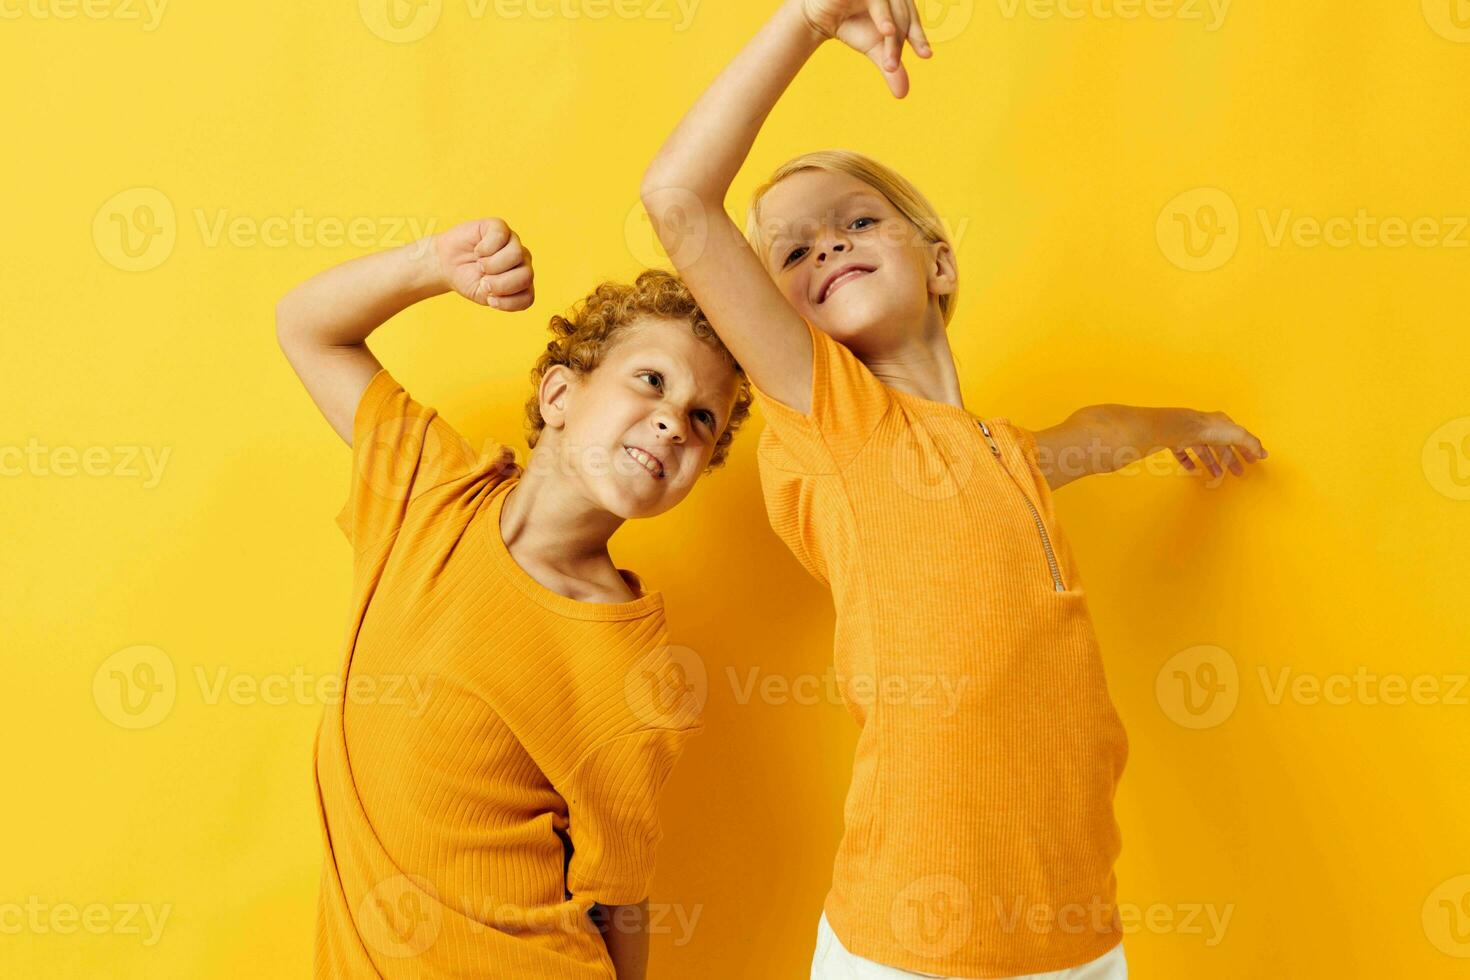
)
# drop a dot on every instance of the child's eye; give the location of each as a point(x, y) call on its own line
point(656, 379)
point(872, 220)
point(796, 253)
point(706, 417)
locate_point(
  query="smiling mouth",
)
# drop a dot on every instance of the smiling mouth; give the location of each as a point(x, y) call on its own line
point(842, 280)
point(648, 461)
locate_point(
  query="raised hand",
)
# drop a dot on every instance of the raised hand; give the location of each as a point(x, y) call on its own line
point(876, 28)
point(484, 261)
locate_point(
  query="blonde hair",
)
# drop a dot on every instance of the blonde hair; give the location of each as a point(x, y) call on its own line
point(894, 186)
point(582, 338)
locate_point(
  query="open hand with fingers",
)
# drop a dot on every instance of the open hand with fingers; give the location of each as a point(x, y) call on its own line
point(1215, 438)
point(877, 28)
point(484, 261)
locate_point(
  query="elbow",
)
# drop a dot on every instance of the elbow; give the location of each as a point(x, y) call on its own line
point(285, 321)
point(654, 183)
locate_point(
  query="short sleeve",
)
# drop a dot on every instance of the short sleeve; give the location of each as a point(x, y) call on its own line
point(848, 402)
point(400, 448)
point(612, 814)
point(1025, 441)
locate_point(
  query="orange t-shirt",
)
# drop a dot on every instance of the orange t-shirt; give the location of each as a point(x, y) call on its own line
point(492, 767)
point(979, 836)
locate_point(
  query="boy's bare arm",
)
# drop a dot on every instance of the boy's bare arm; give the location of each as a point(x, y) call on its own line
point(625, 932)
point(1103, 438)
point(322, 325)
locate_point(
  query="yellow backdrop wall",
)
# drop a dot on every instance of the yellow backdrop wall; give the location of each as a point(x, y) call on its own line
point(1252, 207)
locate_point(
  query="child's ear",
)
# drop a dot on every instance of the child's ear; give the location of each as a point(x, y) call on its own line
point(944, 273)
point(556, 394)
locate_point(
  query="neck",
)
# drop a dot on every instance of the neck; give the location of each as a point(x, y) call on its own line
point(921, 363)
point(556, 533)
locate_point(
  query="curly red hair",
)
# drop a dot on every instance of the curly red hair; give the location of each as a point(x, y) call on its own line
point(583, 337)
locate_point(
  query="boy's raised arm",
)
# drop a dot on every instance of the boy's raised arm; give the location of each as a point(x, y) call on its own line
point(688, 179)
point(323, 324)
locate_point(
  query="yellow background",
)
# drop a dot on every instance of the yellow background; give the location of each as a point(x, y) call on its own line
point(1334, 833)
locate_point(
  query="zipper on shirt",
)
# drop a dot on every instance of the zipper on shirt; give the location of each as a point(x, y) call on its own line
point(1051, 557)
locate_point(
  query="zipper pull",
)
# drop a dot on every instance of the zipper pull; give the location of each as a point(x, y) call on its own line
point(983, 428)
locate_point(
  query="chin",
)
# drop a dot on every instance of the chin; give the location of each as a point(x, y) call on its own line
point(852, 322)
point(625, 502)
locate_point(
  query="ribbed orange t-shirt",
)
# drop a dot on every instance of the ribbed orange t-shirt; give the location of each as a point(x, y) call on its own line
point(493, 765)
point(979, 836)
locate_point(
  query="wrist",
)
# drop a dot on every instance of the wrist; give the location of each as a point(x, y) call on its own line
point(424, 272)
point(796, 15)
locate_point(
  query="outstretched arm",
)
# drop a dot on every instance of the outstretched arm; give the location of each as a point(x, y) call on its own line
point(323, 324)
point(1104, 438)
point(684, 187)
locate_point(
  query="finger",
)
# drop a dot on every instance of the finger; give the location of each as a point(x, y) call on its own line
point(882, 17)
point(1232, 462)
point(507, 258)
point(917, 38)
point(1207, 457)
point(513, 303)
point(1255, 445)
point(1184, 459)
point(898, 81)
point(494, 234)
point(509, 283)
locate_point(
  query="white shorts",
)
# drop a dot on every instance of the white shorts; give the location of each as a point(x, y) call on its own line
point(832, 961)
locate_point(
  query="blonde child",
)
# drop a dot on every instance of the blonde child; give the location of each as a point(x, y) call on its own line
point(979, 839)
point(487, 786)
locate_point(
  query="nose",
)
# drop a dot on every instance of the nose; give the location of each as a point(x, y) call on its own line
point(668, 426)
point(837, 247)
point(831, 245)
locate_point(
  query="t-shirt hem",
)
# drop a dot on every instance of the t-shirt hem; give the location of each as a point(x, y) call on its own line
point(956, 968)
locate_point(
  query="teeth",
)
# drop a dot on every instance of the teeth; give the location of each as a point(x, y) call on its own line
point(841, 279)
point(649, 463)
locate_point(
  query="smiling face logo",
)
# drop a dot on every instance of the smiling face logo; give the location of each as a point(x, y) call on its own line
point(1446, 917)
point(1446, 459)
point(401, 917)
point(1450, 19)
point(685, 224)
point(1198, 687)
point(1199, 230)
point(933, 916)
point(668, 687)
point(136, 687)
point(136, 229)
point(945, 20)
point(401, 21)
